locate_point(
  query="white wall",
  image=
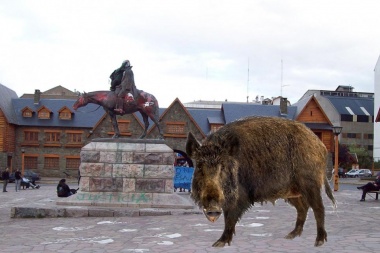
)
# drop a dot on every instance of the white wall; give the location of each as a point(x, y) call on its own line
point(376, 130)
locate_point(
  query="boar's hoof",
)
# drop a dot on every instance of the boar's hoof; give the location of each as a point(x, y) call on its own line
point(293, 234)
point(219, 244)
point(319, 243)
point(212, 215)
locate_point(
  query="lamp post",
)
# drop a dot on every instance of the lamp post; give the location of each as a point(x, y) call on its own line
point(336, 130)
point(22, 161)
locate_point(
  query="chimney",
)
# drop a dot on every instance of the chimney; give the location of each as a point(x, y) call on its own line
point(37, 94)
point(283, 106)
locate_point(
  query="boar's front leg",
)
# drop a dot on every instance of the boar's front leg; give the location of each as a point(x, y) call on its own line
point(231, 217)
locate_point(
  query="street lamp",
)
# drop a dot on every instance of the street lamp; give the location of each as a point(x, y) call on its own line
point(336, 130)
point(22, 161)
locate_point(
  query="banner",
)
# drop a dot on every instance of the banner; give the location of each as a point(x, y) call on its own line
point(183, 177)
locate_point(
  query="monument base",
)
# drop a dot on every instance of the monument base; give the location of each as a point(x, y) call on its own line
point(127, 173)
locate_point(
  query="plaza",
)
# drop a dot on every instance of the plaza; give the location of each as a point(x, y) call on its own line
point(352, 227)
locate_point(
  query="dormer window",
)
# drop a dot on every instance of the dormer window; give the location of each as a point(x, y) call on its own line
point(44, 113)
point(27, 112)
point(65, 113)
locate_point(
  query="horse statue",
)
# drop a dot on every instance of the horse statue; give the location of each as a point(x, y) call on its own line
point(144, 103)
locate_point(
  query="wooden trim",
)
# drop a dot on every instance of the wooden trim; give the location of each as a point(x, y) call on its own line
point(51, 155)
point(175, 135)
point(79, 145)
point(31, 155)
point(122, 134)
point(72, 156)
point(74, 131)
point(52, 145)
point(31, 130)
point(34, 144)
point(52, 131)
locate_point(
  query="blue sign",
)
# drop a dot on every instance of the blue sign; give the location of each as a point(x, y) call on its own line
point(183, 177)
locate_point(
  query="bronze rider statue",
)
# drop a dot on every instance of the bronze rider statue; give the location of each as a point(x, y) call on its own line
point(122, 77)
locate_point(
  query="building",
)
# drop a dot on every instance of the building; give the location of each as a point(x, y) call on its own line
point(376, 141)
point(43, 133)
point(354, 111)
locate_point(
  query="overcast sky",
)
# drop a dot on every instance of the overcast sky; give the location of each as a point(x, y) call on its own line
point(193, 50)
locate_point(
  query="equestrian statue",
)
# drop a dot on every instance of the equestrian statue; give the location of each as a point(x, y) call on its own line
point(124, 98)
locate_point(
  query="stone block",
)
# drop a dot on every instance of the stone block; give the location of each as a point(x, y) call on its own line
point(92, 169)
point(107, 146)
point(76, 212)
point(150, 185)
point(100, 213)
point(108, 157)
point(154, 212)
point(159, 171)
point(89, 156)
point(129, 185)
point(162, 148)
point(169, 185)
point(98, 184)
point(128, 170)
point(84, 184)
point(131, 147)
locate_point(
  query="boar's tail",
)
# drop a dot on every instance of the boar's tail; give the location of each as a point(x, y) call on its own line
point(329, 192)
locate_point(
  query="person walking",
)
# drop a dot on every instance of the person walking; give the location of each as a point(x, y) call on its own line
point(18, 179)
point(5, 176)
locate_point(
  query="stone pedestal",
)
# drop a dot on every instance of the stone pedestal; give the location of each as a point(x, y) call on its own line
point(127, 173)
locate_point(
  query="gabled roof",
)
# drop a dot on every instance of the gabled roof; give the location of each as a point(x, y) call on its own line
point(303, 104)
point(233, 112)
point(355, 104)
point(177, 101)
point(205, 117)
point(6, 103)
point(87, 116)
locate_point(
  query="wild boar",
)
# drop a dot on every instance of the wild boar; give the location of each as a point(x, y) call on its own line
point(259, 159)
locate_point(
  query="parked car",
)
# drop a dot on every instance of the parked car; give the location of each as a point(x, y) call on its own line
point(353, 173)
point(32, 176)
point(365, 173)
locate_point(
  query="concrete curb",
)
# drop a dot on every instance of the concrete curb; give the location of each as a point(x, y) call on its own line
point(64, 212)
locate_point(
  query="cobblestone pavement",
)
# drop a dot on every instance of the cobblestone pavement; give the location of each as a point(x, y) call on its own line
point(352, 227)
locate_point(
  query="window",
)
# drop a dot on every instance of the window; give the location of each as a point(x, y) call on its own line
point(72, 162)
point(52, 138)
point(346, 117)
point(51, 162)
point(124, 126)
point(30, 162)
point(44, 113)
point(368, 136)
point(31, 136)
point(351, 135)
point(175, 129)
point(215, 127)
point(65, 113)
point(74, 138)
point(27, 112)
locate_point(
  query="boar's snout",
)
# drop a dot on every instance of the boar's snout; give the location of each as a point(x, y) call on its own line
point(212, 212)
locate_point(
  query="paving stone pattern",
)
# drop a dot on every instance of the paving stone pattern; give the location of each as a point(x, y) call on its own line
point(352, 227)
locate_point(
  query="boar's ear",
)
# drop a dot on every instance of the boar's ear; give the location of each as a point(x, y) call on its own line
point(191, 145)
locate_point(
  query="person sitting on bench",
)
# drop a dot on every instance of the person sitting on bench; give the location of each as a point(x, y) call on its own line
point(370, 186)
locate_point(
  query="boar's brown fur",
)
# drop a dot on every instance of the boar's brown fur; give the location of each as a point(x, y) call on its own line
point(259, 159)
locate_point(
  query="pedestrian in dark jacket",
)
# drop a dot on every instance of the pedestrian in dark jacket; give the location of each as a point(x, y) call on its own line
point(5, 176)
point(63, 190)
point(18, 180)
point(370, 186)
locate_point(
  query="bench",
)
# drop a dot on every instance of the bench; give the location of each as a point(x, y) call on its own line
point(375, 192)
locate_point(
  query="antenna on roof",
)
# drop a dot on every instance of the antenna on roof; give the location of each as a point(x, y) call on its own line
point(248, 82)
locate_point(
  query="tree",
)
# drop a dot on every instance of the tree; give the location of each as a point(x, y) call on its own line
point(364, 159)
